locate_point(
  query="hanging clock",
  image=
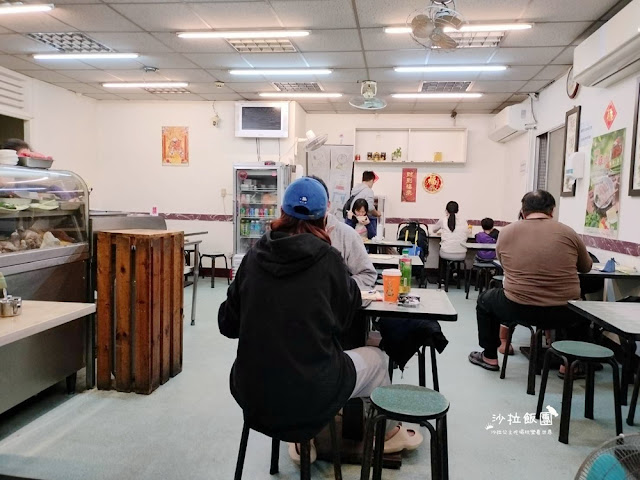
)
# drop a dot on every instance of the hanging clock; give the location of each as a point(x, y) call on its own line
point(572, 85)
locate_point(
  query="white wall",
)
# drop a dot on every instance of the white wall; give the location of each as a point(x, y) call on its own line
point(550, 111)
point(476, 185)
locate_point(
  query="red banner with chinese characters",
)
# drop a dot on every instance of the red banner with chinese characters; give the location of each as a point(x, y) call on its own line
point(409, 181)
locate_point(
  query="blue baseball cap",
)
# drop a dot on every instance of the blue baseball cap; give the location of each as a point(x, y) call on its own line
point(305, 199)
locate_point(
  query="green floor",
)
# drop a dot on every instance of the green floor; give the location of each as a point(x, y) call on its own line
point(190, 427)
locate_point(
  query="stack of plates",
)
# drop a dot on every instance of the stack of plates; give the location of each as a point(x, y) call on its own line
point(8, 157)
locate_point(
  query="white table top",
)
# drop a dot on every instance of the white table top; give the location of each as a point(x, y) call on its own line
point(434, 305)
point(479, 246)
point(40, 316)
point(620, 317)
point(383, 259)
point(388, 243)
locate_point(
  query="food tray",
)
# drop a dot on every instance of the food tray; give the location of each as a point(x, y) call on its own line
point(69, 206)
point(35, 162)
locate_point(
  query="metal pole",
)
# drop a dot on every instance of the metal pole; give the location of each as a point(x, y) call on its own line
point(196, 274)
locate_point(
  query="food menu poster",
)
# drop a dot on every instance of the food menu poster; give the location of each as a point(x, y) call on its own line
point(603, 200)
point(409, 178)
point(175, 146)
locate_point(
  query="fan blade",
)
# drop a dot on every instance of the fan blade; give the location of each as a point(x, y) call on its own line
point(421, 26)
point(447, 20)
point(442, 40)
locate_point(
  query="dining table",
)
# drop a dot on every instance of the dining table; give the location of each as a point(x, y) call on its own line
point(373, 244)
point(478, 246)
point(385, 260)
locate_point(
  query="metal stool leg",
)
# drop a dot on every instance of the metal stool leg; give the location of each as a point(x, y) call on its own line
point(434, 369)
point(226, 266)
point(422, 380)
point(275, 456)
point(543, 382)
point(335, 450)
point(436, 457)
point(567, 393)
point(367, 451)
point(213, 272)
point(446, 279)
point(535, 346)
point(441, 432)
point(634, 399)
point(305, 460)
point(589, 390)
point(616, 394)
point(507, 347)
point(244, 439)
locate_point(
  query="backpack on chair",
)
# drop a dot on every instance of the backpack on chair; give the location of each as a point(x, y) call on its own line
point(347, 206)
point(415, 233)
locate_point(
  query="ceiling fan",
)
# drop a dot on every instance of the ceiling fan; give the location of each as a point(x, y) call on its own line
point(367, 99)
point(429, 25)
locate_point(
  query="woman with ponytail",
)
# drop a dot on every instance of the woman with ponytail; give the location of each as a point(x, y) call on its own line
point(453, 232)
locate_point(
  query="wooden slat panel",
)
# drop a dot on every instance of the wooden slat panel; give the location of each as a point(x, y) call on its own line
point(142, 326)
point(156, 310)
point(123, 314)
point(166, 298)
point(177, 276)
point(104, 311)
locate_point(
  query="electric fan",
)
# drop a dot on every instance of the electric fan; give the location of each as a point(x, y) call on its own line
point(617, 459)
point(367, 99)
point(429, 26)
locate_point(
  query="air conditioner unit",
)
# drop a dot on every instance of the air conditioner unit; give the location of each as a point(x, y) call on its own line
point(509, 123)
point(612, 53)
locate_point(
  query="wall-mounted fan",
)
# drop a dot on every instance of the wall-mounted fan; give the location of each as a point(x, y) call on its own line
point(367, 99)
point(313, 141)
point(429, 26)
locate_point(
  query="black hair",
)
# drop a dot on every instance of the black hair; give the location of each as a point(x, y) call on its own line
point(487, 223)
point(358, 204)
point(319, 180)
point(368, 175)
point(538, 201)
point(452, 209)
point(14, 144)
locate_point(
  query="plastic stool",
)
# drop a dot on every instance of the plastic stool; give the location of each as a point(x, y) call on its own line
point(213, 257)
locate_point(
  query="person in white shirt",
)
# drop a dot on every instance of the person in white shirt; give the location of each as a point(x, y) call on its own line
point(453, 232)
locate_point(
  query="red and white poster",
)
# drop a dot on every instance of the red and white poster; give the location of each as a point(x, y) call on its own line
point(409, 180)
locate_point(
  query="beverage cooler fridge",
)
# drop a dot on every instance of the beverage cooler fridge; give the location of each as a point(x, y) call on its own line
point(258, 189)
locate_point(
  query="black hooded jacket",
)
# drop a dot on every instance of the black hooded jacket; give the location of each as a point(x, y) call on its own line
point(290, 300)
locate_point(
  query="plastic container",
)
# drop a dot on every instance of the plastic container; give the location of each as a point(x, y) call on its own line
point(391, 284)
point(405, 270)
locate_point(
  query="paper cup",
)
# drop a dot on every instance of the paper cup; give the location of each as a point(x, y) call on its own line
point(391, 284)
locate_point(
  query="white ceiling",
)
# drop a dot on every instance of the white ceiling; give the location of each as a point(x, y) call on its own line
point(346, 35)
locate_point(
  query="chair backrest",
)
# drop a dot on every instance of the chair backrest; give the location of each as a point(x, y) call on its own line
point(417, 233)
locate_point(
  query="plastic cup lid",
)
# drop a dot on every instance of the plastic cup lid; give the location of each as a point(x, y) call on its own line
point(392, 272)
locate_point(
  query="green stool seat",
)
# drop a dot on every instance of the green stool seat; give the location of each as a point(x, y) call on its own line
point(498, 278)
point(410, 401)
point(582, 349)
point(406, 403)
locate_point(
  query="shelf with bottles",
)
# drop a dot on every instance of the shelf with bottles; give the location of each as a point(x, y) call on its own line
point(259, 190)
point(265, 217)
point(253, 228)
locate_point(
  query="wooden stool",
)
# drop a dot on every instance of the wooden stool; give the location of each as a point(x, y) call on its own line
point(305, 454)
point(406, 403)
point(572, 353)
point(213, 257)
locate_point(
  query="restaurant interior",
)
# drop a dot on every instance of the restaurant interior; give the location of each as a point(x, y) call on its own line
point(158, 141)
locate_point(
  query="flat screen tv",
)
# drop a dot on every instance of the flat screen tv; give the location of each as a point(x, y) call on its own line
point(262, 119)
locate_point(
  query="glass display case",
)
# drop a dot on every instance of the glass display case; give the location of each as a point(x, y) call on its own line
point(43, 214)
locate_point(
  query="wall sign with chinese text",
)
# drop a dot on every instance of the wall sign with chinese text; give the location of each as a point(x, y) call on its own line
point(409, 183)
point(432, 183)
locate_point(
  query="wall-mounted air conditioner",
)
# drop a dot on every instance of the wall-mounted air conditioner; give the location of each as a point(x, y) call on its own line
point(612, 53)
point(509, 123)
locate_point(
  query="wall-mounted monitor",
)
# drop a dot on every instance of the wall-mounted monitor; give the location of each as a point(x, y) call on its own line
point(262, 119)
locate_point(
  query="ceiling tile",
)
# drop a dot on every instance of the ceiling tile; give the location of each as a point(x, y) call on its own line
point(347, 88)
point(545, 34)
point(553, 10)
point(387, 88)
point(79, 87)
point(130, 42)
point(42, 22)
point(109, 63)
point(497, 86)
point(97, 18)
point(144, 96)
point(376, 59)
point(329, 41)
point(348, 75)
point(315, 14)
point(182, 97)
point(58, 64)
point(516, 72)
point(186, 75)
point(477, 107)
point(192, 45)
point(274, 60)
point(388, 12)
point(18, 44)
point(376, 39)
point(96, 76)
point(334, 59)
point(593, 27)
point(494, 10)
point(222, 97)
point(209, 88)
point(47, 76)
point(136, 76)
point(317, 107)
point(535, 86)
point(237, 15)
point(104, 96)
point(461, 56)
point(18, 64)
point(166, 60)
point(252, 87)
point(525, 56)
point(163, 17)
point(390, 75)
point(551, 72)
point(490, 98)
point(565, 58)
point(218, 60)
point(425, 107)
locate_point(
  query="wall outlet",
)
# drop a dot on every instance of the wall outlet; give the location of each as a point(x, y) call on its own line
point(223, 192)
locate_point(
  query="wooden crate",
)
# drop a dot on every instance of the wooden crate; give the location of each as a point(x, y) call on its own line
point(140, 308)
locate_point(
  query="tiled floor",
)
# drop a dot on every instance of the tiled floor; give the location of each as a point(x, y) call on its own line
point(190, 427)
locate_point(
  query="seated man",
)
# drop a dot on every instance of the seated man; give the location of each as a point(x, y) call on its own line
point(541, 259)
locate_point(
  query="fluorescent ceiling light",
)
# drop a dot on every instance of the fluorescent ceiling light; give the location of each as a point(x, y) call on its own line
point(299, 95)
point(436, 95)
point(289, 71)
point(85, 56)
point(494, 27)
point(245, 34)
point(13, 8)
point(452, 68)
point(146, 85)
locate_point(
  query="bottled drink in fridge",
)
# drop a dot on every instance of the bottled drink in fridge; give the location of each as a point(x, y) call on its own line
point(405, 270)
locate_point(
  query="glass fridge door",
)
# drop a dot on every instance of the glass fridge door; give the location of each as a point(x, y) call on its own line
point(257, 204)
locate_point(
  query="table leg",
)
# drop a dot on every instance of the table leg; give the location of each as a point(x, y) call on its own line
point(196, 275)
point(607, 291)
point(90, 360)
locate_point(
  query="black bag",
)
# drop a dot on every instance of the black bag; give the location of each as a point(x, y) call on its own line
point(347, 206)
point(412, 229)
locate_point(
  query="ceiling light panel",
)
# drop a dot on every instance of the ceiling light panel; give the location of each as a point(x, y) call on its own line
point(167, 91)
point(297, 87)
point(8, 8)
point(146, 85)
point(240, 34)
point(451, 68)
point(262, 45)
point(85, 56)
point(300, 95)
point(71, 42)
point(444, 87)
point(282, 71)
point(436, 95)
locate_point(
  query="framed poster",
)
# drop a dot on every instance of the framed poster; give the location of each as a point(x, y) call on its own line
point(571, 138)
point(175, 146)
point(634, 177)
